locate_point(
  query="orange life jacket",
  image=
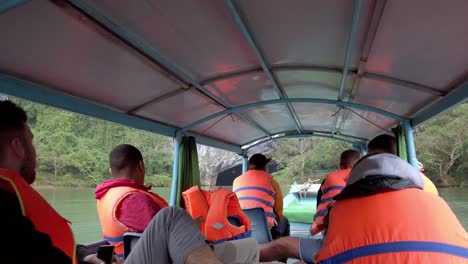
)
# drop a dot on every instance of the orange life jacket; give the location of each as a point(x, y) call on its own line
point(41, 214)
point(107, 208)
point(333, 185)
point(213, 208)
point(404, 226)
point(254, 189)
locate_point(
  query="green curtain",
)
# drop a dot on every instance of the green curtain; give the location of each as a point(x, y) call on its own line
point(189, 172)
point(400, 136)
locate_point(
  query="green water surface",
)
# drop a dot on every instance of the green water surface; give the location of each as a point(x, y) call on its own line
point(79, 207)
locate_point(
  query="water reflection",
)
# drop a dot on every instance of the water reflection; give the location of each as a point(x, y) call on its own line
point(79, 207)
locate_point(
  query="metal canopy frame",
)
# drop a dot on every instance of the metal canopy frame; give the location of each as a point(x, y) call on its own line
point(350, 46)
point(303, 135)
point(155, 56)
point(458, 96)
point(39, 93)
point(317, 68)
point(248, 36)
point(295, 100)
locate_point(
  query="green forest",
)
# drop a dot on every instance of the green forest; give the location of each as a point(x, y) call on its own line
point(72, 149)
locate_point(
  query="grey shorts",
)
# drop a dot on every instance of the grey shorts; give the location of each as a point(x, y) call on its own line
point(308, 247)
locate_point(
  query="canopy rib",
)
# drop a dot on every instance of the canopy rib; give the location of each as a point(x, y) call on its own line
point(371, 75)
point(295, 100)
point(254, 144)
point(378, 8)
point(153, 55)
point(350, 46)
point(261, 58)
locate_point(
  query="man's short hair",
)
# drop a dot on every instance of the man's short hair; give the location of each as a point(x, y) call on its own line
point(124, 156)
point(12, 123)
point(385, 143)
point(258, 161)
point(349, 157)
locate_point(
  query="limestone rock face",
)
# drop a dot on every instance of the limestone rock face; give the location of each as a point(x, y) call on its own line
point(214, 161)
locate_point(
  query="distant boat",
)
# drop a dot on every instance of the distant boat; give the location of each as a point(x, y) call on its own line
point(300, 206)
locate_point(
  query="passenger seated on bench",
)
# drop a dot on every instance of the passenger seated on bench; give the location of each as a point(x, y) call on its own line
point(332, 186)
point(381, 216)
point(171, 237)
point(257, 188)
point(124, 204)
point(388, 144)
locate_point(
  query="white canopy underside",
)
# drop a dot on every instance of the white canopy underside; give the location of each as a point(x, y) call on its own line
point(176, 62)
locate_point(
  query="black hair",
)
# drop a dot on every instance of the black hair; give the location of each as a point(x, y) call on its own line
point(349, 157)
point(12, 123)
point(385, 143)
point(124, 156)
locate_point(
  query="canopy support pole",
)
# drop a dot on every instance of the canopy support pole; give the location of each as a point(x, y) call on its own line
point(245, 163)
point(410, 148)
point(361, 147)
point(175, 169)
point(10, 4)
point(363, 151)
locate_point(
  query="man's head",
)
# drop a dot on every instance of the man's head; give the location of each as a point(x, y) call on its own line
point(126, 162)
point(348, 158)
point(17, 152)
point(258, 162)
point(382, 144)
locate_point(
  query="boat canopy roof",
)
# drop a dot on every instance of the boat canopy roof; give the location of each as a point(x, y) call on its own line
point(238, 73)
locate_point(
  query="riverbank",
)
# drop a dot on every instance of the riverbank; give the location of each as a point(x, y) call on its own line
point(84, 185)
point(79, 207)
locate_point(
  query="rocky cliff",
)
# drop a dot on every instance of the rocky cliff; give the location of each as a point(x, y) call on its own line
point(213, 160)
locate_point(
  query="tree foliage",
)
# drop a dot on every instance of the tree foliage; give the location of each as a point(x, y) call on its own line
point(73, 149)
point(307, 158)
point(442, 147)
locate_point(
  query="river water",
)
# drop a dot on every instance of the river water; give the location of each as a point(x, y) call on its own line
point(79, 207)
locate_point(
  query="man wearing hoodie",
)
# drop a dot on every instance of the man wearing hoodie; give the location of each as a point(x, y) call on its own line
point(381, 216)
point(388, 144)
point(124, 204)
point(32, 224)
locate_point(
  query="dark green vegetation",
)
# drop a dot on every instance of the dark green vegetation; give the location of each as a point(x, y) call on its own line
point(73, 149)
point(307, 158)
point(442, 146)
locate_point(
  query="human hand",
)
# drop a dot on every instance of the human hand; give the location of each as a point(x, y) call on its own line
point(198, 220)
point(93, 259)
point(275, 223)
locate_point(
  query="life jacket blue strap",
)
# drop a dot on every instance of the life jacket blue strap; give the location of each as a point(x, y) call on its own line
point(248, 188)
point(114, 239)
point(270, 214)
point(326, 200)
point(251, 198)
point(240, 236)
point(320, 213)
point(333, 187)
point(394, 247)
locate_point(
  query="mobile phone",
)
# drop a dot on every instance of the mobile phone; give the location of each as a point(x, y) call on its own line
point(106, 253)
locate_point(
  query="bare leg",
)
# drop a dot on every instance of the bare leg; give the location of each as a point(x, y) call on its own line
point(285, 247)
